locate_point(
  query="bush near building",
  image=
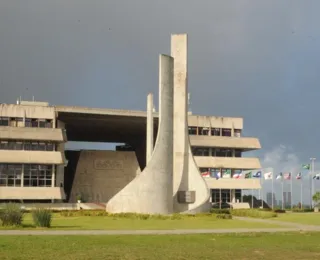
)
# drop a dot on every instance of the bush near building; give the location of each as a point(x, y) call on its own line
point(11, 215)
point(42, 217)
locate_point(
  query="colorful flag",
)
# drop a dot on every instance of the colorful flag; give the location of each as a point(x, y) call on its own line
point(287, 175)
point(205, 174)
point(227, 174)
point(257, 174)
point(317, 176)
point(299, 176)
point(248, 175)
point(236, 175)
point(279, 176)
point(306, 166)
point(217, 175)
point(268, 176)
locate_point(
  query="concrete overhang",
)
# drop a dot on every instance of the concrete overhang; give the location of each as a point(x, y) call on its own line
point(243, 143)
point(32, 157)
point(103, 125)
point(32, 134)
point(249, 184)
point(227, 162)
point(32, 193)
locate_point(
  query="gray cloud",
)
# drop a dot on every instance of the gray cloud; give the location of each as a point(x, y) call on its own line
point(256, 59)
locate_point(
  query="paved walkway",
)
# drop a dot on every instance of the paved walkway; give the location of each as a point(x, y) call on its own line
point(288, 227)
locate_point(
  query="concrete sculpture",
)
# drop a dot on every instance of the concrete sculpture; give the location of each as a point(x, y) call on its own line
point(149, 129)
point(151, 191)
point(190, 193)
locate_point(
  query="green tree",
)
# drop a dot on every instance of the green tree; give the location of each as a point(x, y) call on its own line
point(316, 198)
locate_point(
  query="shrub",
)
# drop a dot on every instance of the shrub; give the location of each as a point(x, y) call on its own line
point(303, 210)
point(220, 211)
point(253, 213)
point(11, 215)
point(42, 217)
point(279, 210)
point(224, 216)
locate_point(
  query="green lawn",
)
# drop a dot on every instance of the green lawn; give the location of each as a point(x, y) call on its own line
point(95, 223)
point(300, 218)
point(277, 246)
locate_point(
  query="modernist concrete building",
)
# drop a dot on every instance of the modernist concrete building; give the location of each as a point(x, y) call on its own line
point(34, 165)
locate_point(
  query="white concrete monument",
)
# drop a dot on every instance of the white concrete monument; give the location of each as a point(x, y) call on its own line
point(151, 191)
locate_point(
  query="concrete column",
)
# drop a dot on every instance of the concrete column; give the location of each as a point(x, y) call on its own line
point(187, 177)
point(53, 176)
point(151, 191)
point(22, 176)
point(150, 127)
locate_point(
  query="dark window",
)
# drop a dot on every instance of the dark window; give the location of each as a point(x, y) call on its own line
point(226, 132)
point(27, 122)
point(200, 151)
point(215, 131)
point(10, 175)
point(223, 152)
point(237, 153)
point(19, 146)
point(48, 123)
point(4, 145)
point(34, 146)
point(27, 146)
point(49, 146)
point(192, 130)
point(42, 123)
point(203, 131)
point(4, 121)
point(34, 123)
point(41, 147)
point(11, 145)
point(37, 175)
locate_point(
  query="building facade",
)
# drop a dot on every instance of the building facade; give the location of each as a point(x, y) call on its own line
point(31, 152)
point(218, 147)
point(33, 165)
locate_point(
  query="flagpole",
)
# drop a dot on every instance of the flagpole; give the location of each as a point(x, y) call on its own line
point(261, 190)
point(301, 187)
point(282, 193)
point(272, 195)
point(291, 191)
point(312, 182)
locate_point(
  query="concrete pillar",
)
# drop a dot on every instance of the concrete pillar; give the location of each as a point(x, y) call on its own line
point(151, 191)
point(150, 127)
point(186, 176)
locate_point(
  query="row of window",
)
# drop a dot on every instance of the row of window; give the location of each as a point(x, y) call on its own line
point(194, 130)
point(27, 122)
point(27, 145)
point(224, 195)
point(220, 172)
point(216, 152)
point(31, 175)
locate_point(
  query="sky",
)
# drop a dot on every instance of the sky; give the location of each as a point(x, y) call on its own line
point(253, 59)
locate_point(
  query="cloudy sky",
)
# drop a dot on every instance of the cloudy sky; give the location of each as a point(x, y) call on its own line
point(254, 59)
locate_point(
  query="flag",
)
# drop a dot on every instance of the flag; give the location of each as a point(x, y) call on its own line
point(227, 174)
point(257, 174)
point(248, 175)
point(299, 176)
point(287, 175)
point(268, 176)
point(306, 166)
point(217, 175)
point(205, 174)
point(317, 176)
point(237, 175)
point(279, 176)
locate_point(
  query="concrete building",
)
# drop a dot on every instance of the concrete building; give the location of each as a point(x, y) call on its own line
point(33, 134)
point(34, 165)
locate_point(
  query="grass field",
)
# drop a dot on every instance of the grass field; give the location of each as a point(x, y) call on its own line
point(178, 247)
point(95, 223)
point(300, 218)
